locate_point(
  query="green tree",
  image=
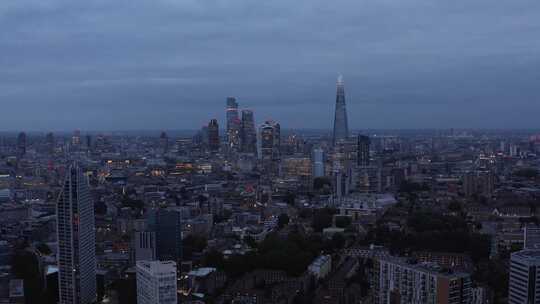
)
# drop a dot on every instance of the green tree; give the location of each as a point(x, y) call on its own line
point(127, 290)
point(192, 244)
point(100, 208)
point(132, 203)
point(529, 173)
point(454, 206)
point(292, 254)
point(250, 241)
point(322, 218)
point(495, 274)
point(338, 241)
point(304, 213)
point(343, 221)
point(283, 220)
point(290, 198)
point(25, 266)
point(214, 259)
point(43, 249)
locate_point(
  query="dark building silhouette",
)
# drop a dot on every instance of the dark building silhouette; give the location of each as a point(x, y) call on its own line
point(363, 150)
point(233, 125)
point(248, 135)
point(167, 225)
point(164, 142)
point(21, 144)
point(270, 145)
point(50, 143)
point(213, 135)
point(89, 142)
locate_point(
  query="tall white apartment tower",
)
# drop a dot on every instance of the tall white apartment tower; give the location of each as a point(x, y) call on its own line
point(76, 240)
point(156, 282)
point(524, 285)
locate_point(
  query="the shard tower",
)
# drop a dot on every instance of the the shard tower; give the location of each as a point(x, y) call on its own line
point(341, 124)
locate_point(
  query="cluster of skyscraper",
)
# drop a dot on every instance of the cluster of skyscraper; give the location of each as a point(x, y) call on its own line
point(242, 137)
point(241, 132)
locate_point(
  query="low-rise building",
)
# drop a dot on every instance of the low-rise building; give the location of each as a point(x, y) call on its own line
point(156, 282)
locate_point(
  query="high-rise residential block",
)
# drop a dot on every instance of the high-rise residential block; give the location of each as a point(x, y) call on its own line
point(396, 280)
point(524, 284)
point(76, 240)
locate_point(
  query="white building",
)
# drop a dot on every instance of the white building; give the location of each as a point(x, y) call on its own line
point(321, 266)
point(156, 282)
point(524, 286)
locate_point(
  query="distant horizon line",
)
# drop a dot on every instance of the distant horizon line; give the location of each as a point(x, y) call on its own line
point(329, 130)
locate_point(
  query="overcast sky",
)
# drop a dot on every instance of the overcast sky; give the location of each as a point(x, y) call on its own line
point(169, 64)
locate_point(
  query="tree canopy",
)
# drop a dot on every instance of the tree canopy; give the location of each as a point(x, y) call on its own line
point(283, 220)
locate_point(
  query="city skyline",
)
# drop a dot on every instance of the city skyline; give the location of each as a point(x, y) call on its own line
point(446, 65)
point(240, 151)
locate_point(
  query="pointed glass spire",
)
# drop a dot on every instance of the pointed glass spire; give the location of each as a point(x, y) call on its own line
point(341, 124)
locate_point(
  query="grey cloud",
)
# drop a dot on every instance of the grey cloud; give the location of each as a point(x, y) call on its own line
point(132, 64)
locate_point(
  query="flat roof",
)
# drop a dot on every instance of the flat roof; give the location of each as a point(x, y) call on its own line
point(528, 254)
